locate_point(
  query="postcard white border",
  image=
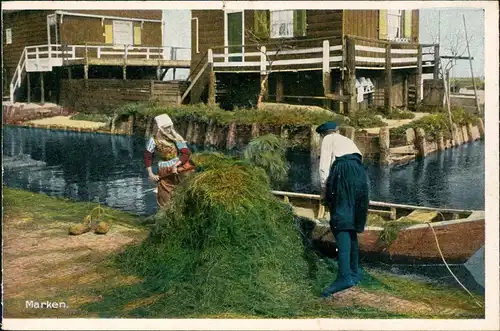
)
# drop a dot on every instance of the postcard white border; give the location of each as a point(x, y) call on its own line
point(491, 322)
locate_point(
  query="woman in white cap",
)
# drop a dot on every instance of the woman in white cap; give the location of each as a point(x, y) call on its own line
point(174, 154)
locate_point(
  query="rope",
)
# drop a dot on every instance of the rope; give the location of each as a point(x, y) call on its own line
point(446, 264)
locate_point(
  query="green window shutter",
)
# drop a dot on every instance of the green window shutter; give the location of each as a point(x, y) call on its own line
point(382, 24)
point(299, 23)
point(261, 23)
point(407, 24)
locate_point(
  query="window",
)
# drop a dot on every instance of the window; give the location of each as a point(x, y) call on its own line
point(281, 23)
point(394, 24)
point(8, 36)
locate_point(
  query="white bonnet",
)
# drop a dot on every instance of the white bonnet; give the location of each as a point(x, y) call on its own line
point(163, 120)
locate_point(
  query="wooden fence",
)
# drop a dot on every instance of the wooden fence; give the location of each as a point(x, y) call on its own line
point(104, 95)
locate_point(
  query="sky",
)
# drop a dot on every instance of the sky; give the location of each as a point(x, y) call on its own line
point(452, 30)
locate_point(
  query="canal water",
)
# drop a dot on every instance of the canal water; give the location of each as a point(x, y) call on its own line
point(109, 169)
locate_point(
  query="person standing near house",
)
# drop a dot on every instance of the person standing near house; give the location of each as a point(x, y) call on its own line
point(344, 184)
point(175, 155)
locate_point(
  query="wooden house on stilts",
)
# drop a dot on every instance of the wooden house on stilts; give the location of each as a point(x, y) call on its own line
point(343, 59)
point(87, 58)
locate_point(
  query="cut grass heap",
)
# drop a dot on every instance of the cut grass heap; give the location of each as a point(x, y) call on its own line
point(227, 246)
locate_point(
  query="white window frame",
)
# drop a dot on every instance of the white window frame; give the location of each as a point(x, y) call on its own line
point(395, 17)
point(131, 25)
point(275, 34)
point(226, 39)
point(8, 36)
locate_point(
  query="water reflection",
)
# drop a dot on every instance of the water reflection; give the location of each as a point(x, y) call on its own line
point(109, 169)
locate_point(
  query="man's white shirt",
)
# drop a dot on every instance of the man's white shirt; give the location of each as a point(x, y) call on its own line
point(332, 146)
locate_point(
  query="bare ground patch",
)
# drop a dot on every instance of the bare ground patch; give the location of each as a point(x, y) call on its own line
point(387, 302)
point(41, 261)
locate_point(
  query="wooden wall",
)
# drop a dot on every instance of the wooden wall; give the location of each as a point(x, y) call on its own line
point(365, 23)
point(28, 28)
point(361, 23)
point(78, 30)
point(104, 95)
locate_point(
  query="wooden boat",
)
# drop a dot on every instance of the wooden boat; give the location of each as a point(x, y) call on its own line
point(458, 233)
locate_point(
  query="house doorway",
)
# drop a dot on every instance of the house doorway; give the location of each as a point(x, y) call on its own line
point(52, 31)
point(235, 38)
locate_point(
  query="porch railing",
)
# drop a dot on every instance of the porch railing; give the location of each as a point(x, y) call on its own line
point(78, 52)
point(312, 54)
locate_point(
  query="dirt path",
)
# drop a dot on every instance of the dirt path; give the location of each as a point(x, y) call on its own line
point(41, 261)
point(67, 121)
point(358, 297)
point(396, 123)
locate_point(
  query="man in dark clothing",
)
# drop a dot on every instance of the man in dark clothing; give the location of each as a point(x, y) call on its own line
point(344, 184)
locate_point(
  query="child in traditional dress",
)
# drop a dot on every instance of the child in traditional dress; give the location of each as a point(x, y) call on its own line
point(175, 155)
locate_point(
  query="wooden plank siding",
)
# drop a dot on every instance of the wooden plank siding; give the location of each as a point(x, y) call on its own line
point(77, 30)
point(28, 28)
point(103, 95)
point(361, 23)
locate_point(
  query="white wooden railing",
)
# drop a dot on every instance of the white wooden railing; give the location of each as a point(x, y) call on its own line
point(44, 57)
point(17, 77)
point(366, 57)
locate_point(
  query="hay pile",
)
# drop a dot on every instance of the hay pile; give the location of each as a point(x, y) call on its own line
point(228, 246)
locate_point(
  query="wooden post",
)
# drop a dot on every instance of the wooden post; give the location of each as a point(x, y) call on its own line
point(86, 67)
point(211, 79)
point(405, 92)
point(69, 73)
point(124, 69)
point(327, 80)
point(384, 143)
point(388, 79)
point(280, 91)
point(350, 82)
point(420, 140)
point(86, 75)
point(436, 61)
point(471, 70)
point(42, 88)
point(480, 126)
point(28, 82)
point(418, 77)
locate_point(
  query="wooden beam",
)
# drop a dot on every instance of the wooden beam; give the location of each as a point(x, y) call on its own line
point(436, 61)
point(211, 78)
point(327, 80)
point(388, 79)
point(405, 92)
point(28, 82)
point(418, 78)
point(337, 97)
point(350, 81)
point(42, 88)
point(450, 57)
point(280, 91)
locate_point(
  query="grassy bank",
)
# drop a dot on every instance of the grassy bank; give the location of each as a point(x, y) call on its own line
point(42, 262)
point(438, 123)
point(286, 115)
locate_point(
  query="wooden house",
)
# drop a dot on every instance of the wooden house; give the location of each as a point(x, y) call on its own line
point(310, 56)
point(53, 54)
